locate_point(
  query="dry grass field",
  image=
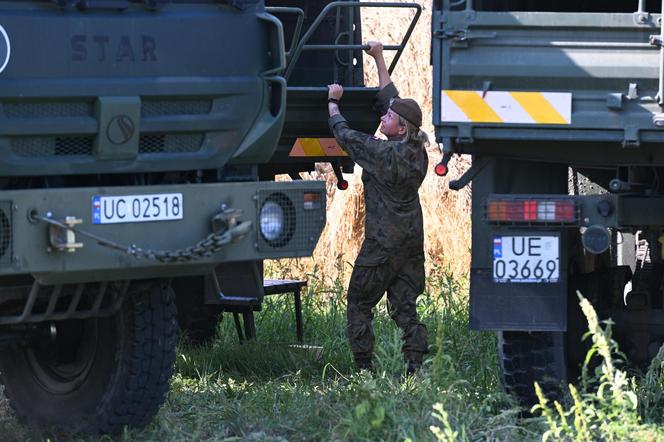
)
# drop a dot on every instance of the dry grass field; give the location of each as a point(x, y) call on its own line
point(446, 213)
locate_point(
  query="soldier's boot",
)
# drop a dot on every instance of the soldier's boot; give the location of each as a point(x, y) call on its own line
point(364, 363)
point(413, 361)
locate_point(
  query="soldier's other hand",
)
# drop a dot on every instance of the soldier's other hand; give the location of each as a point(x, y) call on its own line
point(335, 91)
point(375, 48)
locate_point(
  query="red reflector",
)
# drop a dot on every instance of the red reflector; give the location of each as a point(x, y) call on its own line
point(342, 185)
point(530, 210)
point(441, 169)
point(565, 211)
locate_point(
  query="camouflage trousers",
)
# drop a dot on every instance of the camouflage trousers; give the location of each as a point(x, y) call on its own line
point(403, 279)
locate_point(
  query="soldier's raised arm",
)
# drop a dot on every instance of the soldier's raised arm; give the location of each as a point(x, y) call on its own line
point(376, 51)
point(387, 88)
point(372, 154)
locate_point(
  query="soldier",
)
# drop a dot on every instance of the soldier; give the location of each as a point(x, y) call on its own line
point(391, 257)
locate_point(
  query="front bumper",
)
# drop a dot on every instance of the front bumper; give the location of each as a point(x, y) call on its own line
point(25, 246)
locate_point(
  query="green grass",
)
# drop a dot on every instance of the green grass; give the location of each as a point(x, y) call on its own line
point(268, 391)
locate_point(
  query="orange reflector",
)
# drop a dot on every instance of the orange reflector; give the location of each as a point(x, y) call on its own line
point(496, 210)
point(316, 147)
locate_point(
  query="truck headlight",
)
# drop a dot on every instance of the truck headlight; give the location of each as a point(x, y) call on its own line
point(271, 220)
point(276, 219)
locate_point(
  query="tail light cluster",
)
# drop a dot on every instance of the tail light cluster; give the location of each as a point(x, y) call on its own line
point(531, 210)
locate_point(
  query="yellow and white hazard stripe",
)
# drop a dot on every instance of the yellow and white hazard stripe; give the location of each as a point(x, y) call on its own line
point(506, 107)
point(316, 147)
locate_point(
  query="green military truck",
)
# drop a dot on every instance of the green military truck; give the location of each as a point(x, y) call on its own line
point(131, 135)
point(140, 141)
point(560, 105)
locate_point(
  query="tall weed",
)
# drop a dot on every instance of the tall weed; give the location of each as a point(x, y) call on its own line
point(606, 407)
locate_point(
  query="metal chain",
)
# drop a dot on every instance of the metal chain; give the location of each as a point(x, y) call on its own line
point(202, 249)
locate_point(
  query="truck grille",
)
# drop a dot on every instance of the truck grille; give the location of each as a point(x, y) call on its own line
point(5, 233)
point(38, 147)
point(48, 109)
point(151, 108)
point(44, 146)
point(170, 143)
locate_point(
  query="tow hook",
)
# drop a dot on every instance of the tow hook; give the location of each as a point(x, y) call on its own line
point(227, 219)
point(63, 239)
point(466, 178)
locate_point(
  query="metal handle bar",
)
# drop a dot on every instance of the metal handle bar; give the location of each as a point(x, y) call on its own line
point(298, 24)
point(276, 49)
point(350, 4)
point(341, 47)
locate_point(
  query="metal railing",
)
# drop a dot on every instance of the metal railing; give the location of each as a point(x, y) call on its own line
point(56, 305)
point(298, 45)
point(298, 24)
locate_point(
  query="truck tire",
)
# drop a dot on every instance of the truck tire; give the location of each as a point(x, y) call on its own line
point(198, 321)
point(553, 359)
point(97, 375)
point(529, 357)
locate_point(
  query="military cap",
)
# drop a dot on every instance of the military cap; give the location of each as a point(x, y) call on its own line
point(408, 109)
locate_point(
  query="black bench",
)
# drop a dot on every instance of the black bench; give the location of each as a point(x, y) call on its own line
point(271, 287)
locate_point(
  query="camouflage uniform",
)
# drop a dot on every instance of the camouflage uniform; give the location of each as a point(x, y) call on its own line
point(391, 257)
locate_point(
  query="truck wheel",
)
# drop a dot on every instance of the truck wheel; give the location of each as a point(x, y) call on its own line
point(198, 321)
point(529, 357)
point(552, 359)
point(96, 375)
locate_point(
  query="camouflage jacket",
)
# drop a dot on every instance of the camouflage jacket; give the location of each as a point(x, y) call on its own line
point(392, 172)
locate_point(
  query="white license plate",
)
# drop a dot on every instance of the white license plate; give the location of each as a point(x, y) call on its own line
point(137, 208)
point(526, 259)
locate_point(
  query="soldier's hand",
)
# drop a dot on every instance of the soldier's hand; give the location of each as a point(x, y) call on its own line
point(335, 91)
point(375, 48)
